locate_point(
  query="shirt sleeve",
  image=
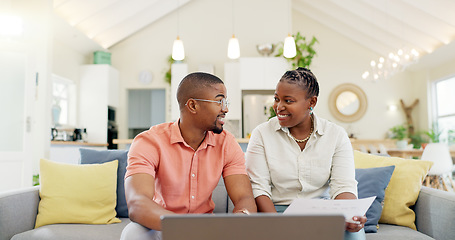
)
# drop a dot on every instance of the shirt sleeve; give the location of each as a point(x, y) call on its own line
point(142, 156)
point(257, 167)
point(234, 158)
point(343, 168)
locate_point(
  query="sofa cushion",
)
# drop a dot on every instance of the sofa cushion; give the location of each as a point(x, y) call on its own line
point(75, 232)
point(403, 189)
point(373, 182)
point(393, 232)
point(77, 193)
point(90, 156)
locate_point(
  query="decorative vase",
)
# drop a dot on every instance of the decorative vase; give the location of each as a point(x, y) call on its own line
point(402, 144)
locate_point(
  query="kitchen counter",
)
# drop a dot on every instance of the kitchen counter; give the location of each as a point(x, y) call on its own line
point(76, 143)
point(68, 151)
point(129, 141)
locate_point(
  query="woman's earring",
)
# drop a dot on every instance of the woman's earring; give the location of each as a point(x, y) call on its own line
point(311, 110)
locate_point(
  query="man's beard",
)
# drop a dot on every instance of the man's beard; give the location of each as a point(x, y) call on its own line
point(215, 129)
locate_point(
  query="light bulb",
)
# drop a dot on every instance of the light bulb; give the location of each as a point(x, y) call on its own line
point(381, 59)
point(379, 65)
point(400, 52)
point(289, 50)
point(373, 63)
point(365, 74)
point(233, 48)
point(178, 51)
point(391, 55)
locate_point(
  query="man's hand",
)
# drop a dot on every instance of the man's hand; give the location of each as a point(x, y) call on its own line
point(239, 189)
point(139, 192)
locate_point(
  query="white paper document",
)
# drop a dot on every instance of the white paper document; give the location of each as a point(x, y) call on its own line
point(348, 207)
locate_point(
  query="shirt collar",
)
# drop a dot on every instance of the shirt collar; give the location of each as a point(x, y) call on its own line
point(176, 136)
point(318, 126)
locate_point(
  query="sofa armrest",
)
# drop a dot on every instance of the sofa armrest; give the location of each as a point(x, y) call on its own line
point(18, 210)
point(435, 213)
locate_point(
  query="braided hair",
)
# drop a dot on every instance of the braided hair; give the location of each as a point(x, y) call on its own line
point(304, 78)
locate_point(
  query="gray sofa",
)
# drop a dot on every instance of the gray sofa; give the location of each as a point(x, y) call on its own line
point(435, 215)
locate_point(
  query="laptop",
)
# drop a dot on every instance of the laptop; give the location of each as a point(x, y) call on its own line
point(264, 226)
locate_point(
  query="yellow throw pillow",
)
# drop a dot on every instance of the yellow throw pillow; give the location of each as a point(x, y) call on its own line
point(403, 188)
point(77, 193)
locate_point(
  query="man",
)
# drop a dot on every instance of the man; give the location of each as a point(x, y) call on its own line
point(173, 168)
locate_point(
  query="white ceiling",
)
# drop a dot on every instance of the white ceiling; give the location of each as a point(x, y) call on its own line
point(382, 26)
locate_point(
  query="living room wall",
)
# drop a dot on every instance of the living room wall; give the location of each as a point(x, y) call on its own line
point(205, 28)
point(341, 60)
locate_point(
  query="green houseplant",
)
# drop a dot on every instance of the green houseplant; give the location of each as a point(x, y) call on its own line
point(434, 133)
point(305, 51)
point(400, 133)
point(168, 74)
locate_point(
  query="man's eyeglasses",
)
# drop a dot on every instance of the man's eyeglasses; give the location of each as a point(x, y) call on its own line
point(223, 102)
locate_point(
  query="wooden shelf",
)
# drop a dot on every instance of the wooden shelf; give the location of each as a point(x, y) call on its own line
point(75, 143)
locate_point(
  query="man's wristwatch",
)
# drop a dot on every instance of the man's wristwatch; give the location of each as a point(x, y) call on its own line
point(244, 211)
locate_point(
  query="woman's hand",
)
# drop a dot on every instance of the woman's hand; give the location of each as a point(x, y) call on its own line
point(357, 225)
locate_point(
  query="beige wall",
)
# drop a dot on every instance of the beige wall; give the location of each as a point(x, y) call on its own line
point(341, 60)
point(205, 28)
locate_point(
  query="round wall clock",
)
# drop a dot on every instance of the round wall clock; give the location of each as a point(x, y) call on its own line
point(145, 77)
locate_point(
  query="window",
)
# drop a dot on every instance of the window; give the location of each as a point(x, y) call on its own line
point(63, 101)
point(444, 108)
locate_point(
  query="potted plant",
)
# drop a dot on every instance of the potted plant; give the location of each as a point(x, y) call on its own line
point(451, 136)
point(434, 133)
point(417, 140)
point(305, 51)
point(399, 132)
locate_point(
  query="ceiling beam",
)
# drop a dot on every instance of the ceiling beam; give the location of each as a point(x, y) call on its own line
point(389, 26)
point(147, 16)
point(342, 28)
point(113, 15)
point(410, 16)
point(443, 10)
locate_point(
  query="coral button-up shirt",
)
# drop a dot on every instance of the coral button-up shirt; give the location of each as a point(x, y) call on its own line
point(184, 178)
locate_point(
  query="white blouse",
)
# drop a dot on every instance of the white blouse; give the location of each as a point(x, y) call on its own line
point(281, 171)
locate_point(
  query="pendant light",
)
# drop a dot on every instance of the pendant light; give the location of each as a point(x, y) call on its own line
point(178, 51)
point(233, 46)
point(289, 49)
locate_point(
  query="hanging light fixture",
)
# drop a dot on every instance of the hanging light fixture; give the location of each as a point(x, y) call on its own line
point(233, 46)
point(178, 51)
point(289, 49)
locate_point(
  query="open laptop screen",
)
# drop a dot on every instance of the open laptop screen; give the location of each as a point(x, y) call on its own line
point(249, 227)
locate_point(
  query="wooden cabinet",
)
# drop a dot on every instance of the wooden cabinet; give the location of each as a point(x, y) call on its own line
point(98, 89)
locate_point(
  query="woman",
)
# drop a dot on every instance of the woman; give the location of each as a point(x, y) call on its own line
point(298, 155)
